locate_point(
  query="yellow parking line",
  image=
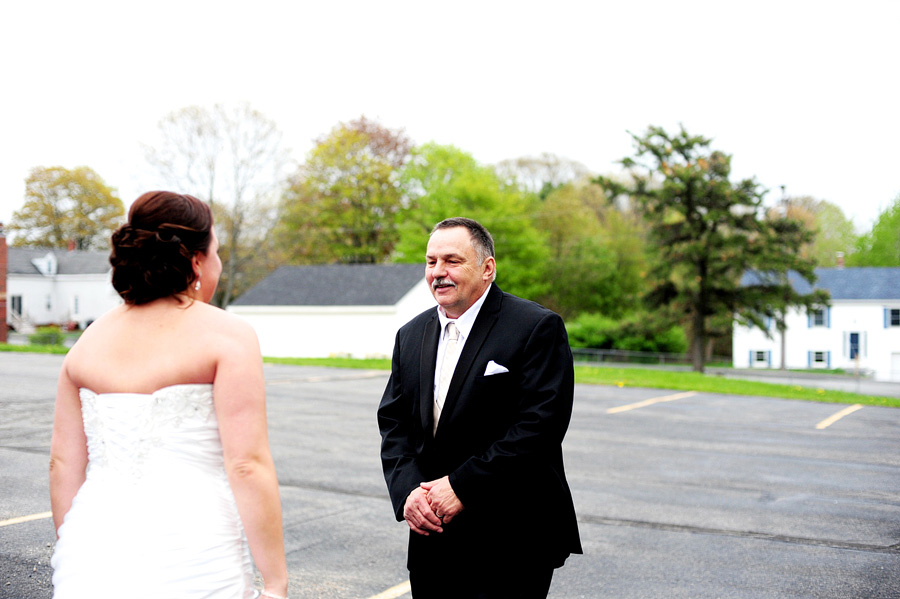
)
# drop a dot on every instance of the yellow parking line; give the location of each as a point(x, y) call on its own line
point(22, 519)
point(832, 419)
point(393, 592)
point(650, 402)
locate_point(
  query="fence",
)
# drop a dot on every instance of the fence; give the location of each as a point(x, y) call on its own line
point(586, 356)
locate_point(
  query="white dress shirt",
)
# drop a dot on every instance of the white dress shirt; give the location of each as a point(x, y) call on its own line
point(464, 325)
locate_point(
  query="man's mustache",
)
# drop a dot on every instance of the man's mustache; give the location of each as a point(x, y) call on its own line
point(442, 281)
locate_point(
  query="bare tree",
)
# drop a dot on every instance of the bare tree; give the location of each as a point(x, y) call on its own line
point(541, 174)
point(232, 157)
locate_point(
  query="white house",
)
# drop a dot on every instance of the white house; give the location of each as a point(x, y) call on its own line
point(859, 330)
point(351, 310)
point(53, 286)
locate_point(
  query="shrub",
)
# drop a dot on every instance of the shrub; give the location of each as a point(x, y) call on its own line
point(46, 336)
point(639, 331)
point(592, 330)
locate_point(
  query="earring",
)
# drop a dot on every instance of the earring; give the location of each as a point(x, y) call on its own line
point(197, 285)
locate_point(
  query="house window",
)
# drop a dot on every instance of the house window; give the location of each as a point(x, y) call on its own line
point(760, 359)
point(817, 318)
point(892, 317)
point(76, 305)
point(15, 304)
point(819, 359)
point(49, 304)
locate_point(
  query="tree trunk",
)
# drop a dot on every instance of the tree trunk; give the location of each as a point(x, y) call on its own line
point(231, 267)
point(698, 343)
point(783, 330)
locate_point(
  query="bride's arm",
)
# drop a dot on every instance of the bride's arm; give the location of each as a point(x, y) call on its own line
point(240, 400)
point(68, 448)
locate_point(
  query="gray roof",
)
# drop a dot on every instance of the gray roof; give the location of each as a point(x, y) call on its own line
point(861, 283)
point(68, 263)
point(334, 285)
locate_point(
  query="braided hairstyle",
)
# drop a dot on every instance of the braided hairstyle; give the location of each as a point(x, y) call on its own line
point(152, 253)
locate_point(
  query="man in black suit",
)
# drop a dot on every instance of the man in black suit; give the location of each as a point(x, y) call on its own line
point(476, 468)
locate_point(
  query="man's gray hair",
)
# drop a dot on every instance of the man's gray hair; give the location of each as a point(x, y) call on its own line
point(481, 237)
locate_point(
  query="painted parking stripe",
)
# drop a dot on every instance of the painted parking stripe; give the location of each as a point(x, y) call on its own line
point(650, 402)
point(22, 519)
point(393, 592)
point(834, 418)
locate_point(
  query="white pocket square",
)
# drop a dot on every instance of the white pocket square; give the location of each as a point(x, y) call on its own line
point(494, 368)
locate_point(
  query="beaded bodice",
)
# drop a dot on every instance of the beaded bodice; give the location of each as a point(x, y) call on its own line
point(132, 433)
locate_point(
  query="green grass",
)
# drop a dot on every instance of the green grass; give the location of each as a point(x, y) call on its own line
point(653, 379)
point(35, 349)
point(591, 375)
point(367, 364)
point(694, 381)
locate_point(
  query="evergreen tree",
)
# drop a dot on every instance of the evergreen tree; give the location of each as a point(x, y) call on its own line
point(709, 233)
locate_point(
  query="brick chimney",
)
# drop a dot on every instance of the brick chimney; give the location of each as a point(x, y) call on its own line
point(4, 259)
point(840, 259)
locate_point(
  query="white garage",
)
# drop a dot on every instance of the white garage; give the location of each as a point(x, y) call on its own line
point(347, 310)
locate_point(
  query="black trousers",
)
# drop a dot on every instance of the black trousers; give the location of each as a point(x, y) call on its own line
point(491, 582)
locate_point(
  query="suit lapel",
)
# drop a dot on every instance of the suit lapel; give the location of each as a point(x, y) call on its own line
point(487, 317)
point(427, 364)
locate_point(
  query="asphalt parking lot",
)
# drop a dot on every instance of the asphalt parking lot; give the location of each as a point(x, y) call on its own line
point(679, 495)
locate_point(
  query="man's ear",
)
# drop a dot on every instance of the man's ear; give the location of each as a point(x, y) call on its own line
point(489, 267)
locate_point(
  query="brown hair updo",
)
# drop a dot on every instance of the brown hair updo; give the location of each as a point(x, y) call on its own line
point(151, 253)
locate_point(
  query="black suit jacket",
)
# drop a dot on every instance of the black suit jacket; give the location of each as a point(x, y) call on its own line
point(499, 437)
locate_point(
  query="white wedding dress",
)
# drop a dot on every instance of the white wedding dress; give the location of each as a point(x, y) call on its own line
point(156, 516)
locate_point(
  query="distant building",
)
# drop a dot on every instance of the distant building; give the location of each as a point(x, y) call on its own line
point(860, 329)
point(351, 310)
point(52, 286)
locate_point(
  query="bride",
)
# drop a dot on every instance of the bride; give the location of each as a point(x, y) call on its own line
point(162, 483)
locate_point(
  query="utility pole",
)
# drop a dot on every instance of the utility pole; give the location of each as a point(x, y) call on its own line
point(4, 267)
point(782, 318)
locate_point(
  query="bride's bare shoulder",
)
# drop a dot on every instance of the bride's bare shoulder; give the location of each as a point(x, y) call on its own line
point(104, 334)
point(99, 328)
point(223, 324)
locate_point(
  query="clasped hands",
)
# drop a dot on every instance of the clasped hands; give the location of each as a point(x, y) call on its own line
point(431, 505)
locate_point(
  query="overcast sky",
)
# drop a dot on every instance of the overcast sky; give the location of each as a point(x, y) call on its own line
point(802, 93)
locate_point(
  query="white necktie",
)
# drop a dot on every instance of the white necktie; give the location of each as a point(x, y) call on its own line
point(447, 366)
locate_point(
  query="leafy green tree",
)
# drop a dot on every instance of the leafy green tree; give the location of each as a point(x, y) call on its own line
point(342, 204)
point(881, 246)
point(444, 182)
point(833, 231)
point(709, 232)
point(835, 234)
point(596, 253)
point(64, 206)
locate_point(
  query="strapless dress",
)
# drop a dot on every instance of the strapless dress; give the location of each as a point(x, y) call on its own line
point(156, 516)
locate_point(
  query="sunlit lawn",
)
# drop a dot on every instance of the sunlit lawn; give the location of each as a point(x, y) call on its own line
point(34, 349)
point(694, 381)
point(654, 379)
